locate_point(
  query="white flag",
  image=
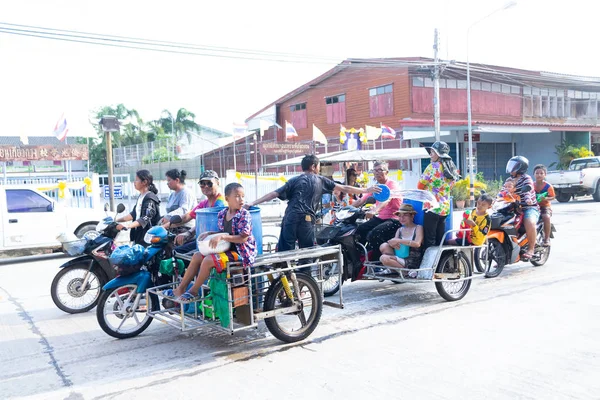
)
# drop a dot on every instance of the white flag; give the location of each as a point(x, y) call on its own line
point(319, 136)
point(239, 131)
point(372, 132)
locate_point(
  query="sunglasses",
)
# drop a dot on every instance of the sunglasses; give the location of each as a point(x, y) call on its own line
point(205, 183)
point(379, 170)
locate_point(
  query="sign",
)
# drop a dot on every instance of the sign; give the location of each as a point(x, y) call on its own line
point(117, 190)
point(272, 148)
point(476, 137)
point(46, 152)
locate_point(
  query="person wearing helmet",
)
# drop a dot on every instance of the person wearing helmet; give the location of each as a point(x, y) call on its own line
point(438, 178)
point(525, 189)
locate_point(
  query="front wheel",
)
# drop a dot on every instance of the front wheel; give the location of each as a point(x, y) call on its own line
point(496, 258)
point(454, 263)
point(118, 316)
point(295, 325)
point(76, 289)
point(331, 280)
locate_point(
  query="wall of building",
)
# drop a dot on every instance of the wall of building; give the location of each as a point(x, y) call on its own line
point(538, 148)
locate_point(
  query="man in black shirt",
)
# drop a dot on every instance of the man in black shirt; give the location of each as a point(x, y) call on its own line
point(304, 193)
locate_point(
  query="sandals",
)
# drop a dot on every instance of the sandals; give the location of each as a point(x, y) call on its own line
point(527, 256)
point(546, 243)
point(186, 297)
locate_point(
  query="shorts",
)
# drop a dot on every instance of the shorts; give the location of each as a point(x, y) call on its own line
point(532, 214)
point(546, 211)
point(221, 259)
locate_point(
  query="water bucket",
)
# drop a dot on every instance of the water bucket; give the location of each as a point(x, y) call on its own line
point(418, 206)
point(206, 221)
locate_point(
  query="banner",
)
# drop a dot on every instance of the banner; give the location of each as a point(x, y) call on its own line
point(274, 148)
point(46, 152)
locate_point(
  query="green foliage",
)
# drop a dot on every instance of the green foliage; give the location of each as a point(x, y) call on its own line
point(462, 188)
point(493, 187)
point(567, 152)
point(160, 155)
point(182, 124)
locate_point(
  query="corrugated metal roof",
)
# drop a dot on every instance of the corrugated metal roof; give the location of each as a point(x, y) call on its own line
point(35, 140)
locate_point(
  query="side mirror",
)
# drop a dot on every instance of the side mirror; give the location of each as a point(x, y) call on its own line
point(50, 207)
point(120, 208)
point(176, 219)
point(527, 188)
point(370, 200)
point(106, 207)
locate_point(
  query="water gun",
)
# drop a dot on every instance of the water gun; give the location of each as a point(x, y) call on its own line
point(541, 196)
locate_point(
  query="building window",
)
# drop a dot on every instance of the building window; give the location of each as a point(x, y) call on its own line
point(336, 109)
point(418, 81)
point(381, 101)
point(299, 115)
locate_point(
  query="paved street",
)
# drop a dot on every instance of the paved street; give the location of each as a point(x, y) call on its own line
point(532, 333)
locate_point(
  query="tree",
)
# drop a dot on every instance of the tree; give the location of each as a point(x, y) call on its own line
point(567, 152)
point(183, 124)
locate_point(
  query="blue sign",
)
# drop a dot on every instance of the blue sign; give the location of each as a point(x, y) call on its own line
point(117, 190)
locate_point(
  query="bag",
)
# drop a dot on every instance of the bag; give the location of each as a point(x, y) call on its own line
point(128, 260)
point(450, 170)
point(206, 250)
point(403, 251)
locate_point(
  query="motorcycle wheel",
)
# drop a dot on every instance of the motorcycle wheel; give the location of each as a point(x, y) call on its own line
point(496, 260)
point(479, 262)
point(67, 292)
point(116, 316)
point(331, 281)
point(294, 326)
point(452, 263)
point(540, 251)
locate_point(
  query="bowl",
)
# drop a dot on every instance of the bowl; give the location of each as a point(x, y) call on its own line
point(205, 249)
point(384, 195)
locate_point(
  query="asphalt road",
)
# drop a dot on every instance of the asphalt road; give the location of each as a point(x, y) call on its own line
point(532, 333)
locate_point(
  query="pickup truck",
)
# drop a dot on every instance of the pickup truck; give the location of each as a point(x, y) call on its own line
point(32, 220)
point(581, 178)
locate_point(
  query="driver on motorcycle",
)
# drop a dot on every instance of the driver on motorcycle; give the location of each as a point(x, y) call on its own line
point(524, 188)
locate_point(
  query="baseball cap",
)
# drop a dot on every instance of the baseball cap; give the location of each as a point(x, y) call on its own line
point(209, 175)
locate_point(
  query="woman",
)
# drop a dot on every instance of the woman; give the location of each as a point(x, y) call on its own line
point(410, 235)
point(351, 176)
point(438, 178)
point(146, 213)
point(181, 200)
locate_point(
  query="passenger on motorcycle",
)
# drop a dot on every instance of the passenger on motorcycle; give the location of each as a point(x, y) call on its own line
point(181, 200)
point(508, 192)
point(404, 249)
point(517, 168)
point(146, 212)
point(544, 195)
point(304, 194)
point(381, 223)
point(477, 221)
point(235, 225)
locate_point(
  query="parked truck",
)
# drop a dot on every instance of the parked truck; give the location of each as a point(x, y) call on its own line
point(581, 178)
point(30, 219)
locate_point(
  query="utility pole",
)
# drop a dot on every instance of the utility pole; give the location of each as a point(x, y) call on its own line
point(436, 86)
point(110, 124)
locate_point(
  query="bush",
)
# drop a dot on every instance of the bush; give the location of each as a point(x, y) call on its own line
point(160, 155)
point(567, 152)
point(461, 189)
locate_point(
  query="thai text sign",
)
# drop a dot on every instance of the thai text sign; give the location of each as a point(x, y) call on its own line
point(284, 148)
point(46, 152)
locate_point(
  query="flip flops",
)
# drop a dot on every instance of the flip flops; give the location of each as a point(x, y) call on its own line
point(186, 297)
point(526, 256)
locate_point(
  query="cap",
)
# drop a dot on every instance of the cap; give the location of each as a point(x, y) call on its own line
point(405, 209)
point(209, 175)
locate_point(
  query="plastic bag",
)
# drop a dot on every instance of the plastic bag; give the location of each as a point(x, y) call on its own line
point(220, 296)
point(128, 259)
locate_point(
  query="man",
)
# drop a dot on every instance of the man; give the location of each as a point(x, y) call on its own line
point(209, 184)
point(304, 193)
point(382, 223)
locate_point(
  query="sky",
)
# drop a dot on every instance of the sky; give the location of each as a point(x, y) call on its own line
point(40, 79)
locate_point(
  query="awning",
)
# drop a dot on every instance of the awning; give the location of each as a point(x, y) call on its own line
point(408, 133)
point(411, 153)
point(509, 129)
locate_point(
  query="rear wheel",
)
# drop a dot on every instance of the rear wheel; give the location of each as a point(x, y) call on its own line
point(117, 316)
point(563, 197)
point(596, 194)
point(542, 253)
point(90, 229)
point(454, 263)
point(331, 280)
point(296, 325)
point(496, 258)
point(69, 292)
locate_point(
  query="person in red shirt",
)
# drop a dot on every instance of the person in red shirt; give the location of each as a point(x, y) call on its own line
point(544, 195)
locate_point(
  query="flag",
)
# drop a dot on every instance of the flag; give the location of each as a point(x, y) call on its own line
point(342, 129)
point(239, 131)
point(319, 136)
point(61, 129)
point(263, 126)
point(290, 131)
point(372, 132)
point(387, 132)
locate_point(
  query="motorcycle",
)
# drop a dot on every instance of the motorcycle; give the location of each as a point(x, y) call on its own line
point(76, 287)
point(123, 305)
point(507, 241)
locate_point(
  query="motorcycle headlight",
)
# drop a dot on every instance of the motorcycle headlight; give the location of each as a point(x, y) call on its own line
point(150, 238)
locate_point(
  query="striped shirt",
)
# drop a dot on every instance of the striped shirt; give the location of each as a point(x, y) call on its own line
point(528, 199)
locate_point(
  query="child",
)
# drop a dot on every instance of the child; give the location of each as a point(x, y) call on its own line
point(478, 221)
point(544, 194)
point(508, 191)
point(235, 224)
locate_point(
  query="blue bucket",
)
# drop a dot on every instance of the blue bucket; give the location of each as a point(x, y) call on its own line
point(418, 206)
point(206, 221)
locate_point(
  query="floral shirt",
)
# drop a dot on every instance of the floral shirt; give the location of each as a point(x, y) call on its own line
point(434, 181)
point(241, 225)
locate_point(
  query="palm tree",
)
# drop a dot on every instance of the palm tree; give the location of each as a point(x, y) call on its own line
point(182, 124)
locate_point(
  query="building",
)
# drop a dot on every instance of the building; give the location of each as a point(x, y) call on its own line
point(514, 111)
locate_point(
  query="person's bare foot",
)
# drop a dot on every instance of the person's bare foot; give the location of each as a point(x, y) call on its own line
point(178, 292)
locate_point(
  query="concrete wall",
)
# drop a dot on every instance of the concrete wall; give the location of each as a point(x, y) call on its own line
point(539, 148)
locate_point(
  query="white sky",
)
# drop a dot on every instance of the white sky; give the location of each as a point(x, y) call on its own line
point(40, 78)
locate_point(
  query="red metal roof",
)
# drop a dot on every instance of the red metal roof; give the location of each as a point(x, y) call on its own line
point(555, 126)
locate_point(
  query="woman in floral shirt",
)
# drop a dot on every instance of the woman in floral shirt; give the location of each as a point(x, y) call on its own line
point(235, 227)
point(438, 178)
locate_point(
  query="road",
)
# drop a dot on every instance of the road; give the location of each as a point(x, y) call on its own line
point(532, 333)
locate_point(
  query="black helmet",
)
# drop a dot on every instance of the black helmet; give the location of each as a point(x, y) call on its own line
point(442, 150)
point(518, 164)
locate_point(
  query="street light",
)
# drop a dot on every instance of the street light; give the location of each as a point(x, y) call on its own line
point(471, 173)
